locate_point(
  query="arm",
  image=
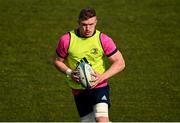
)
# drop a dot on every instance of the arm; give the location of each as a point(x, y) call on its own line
point(118, 64)
point(62, 67)
point(59, 64)
point(61, 54)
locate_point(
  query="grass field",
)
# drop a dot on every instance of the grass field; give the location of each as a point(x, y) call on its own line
point(146, 32)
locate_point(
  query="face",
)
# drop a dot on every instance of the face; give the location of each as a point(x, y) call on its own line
point(87, 27)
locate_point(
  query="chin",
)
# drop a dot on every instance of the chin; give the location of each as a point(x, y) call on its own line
point(88, 35)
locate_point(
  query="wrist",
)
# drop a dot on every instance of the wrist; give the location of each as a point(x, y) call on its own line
point(68, 72)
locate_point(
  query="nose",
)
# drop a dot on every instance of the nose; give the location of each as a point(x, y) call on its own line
point(87, 27)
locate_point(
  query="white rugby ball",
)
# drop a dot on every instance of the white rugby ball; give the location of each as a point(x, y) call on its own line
point(85, 74)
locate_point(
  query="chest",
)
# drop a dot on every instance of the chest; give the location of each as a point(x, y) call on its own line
point(85, 47)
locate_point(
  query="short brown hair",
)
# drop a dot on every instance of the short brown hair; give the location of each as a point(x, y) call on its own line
point(87, 13)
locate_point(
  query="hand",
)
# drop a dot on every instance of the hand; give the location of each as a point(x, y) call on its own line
point(75, 76)
point(98, 79)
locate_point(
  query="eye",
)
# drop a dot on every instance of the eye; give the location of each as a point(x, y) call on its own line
point(83, 24)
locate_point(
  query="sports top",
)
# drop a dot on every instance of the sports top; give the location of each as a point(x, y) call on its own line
point(72, 47)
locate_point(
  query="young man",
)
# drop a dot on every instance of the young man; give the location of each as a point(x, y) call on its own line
point(86, 41)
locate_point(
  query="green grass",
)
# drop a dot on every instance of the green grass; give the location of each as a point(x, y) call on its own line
point(146, 32)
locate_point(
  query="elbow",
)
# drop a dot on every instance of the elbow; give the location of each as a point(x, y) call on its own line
point(122, 65)
point(54, 61)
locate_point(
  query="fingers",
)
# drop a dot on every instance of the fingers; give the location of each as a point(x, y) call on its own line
point(75, 76)
point(95, 81)
point(95, 74)
point(75, 72)
point(98, 79)
point(93, 84)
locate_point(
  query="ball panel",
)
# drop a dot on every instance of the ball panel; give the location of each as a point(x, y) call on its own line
point(85, 74)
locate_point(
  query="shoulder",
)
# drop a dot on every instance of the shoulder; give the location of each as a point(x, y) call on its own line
point(63, 45)
point(106, 40)
point(104, 37)
point(65, 37)
point(108, 44)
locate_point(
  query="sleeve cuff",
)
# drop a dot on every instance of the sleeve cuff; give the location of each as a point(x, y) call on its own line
point(112, 53)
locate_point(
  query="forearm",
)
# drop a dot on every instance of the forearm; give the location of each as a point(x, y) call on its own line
point(115, 68)
point(61, 66)
point(118, 64)
point(65, 69)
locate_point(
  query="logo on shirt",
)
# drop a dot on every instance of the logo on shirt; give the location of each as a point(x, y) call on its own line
point(94, 51)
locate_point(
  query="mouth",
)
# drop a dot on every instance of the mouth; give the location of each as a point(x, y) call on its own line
point(87, 32)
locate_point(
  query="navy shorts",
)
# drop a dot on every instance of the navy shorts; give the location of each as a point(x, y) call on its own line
point(88, 98)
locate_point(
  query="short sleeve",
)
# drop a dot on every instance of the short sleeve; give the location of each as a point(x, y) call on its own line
point(108, 45)
point(63, 45)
